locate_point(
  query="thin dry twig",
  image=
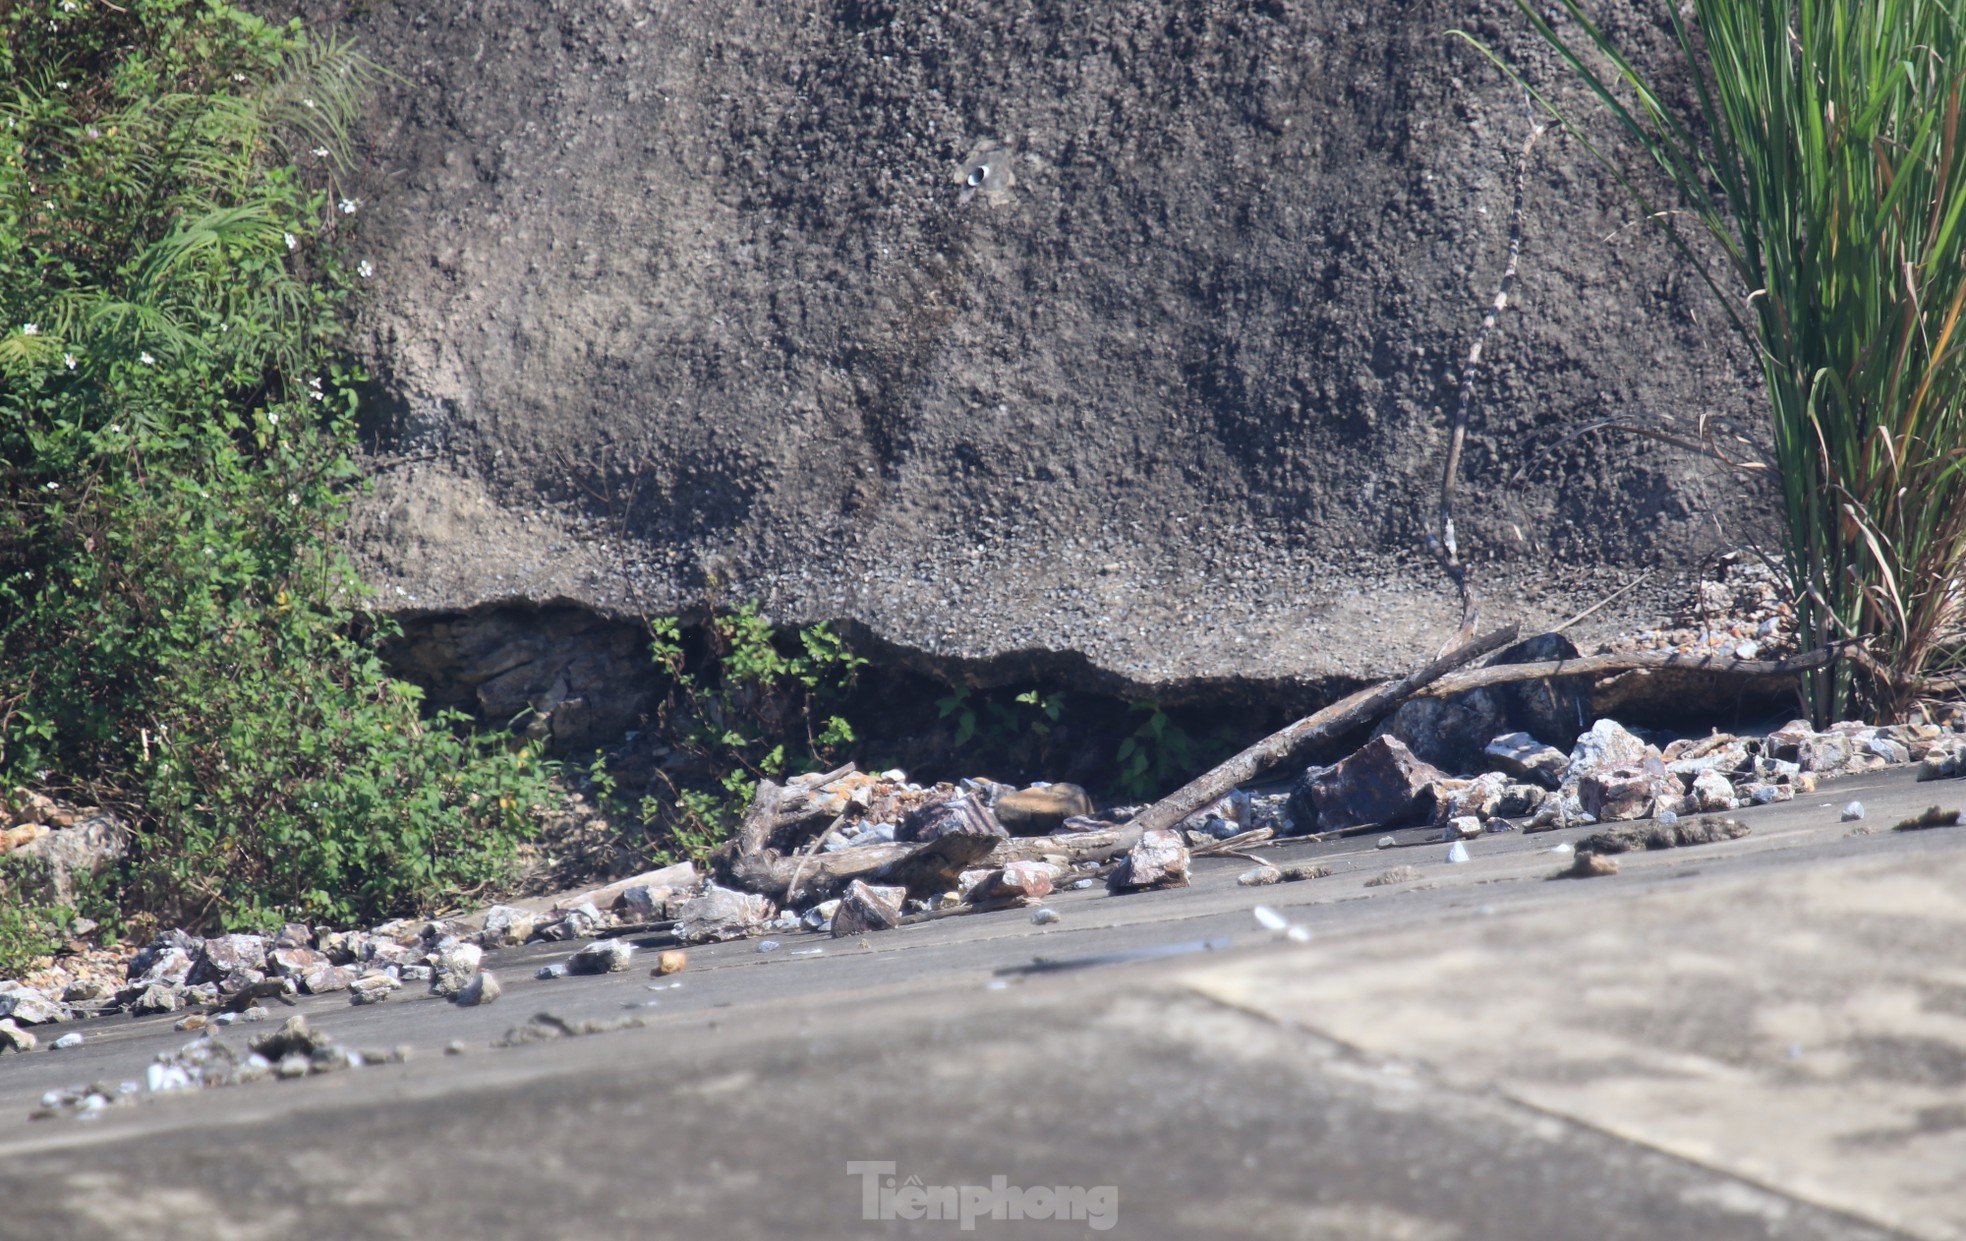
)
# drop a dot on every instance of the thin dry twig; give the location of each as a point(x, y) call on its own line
point(1443, 543)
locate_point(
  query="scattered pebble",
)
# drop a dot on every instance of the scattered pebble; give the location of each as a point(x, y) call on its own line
point(483, 988)
point(669, 962)
point(1261, 876)
point(1386, 842)
point(66, 1041)
point(1853, 812)
point(603, 956)
point(1457, 852)
point(768, 945)
point(545, 972)
point(1045, 915)
point(457, 1047)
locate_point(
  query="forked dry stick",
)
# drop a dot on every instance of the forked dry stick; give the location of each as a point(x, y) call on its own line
point(1443, 543)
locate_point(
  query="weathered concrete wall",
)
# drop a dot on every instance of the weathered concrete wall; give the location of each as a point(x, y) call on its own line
point(685, 302)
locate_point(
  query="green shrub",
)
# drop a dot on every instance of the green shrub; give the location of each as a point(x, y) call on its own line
point(178, 636)
point(1823, 156)
point(745, 703)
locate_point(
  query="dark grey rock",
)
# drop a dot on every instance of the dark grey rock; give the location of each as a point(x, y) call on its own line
point(1382, 782)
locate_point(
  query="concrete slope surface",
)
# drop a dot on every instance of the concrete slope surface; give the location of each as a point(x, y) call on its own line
point(995, 328)
point(1756, 1038)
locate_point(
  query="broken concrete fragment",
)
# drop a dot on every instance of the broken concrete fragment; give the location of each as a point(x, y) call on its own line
point(1037, 810)
point(1712, 791)
point(455, 966)
point(603, 956)
point(1261, 876)
point(13, 1038)
point(1381, 782)
point(1606, 745)
point(1018, 883)
point(1521, 755)
point(1611, 794)
point(955, 814)
point(31, 1007)
point(483, 988)
point(1160, 860)
point(506, 926)
point(865, 908)
point(719, 914)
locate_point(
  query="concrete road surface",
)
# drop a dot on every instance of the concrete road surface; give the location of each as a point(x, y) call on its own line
point(1762, 1038)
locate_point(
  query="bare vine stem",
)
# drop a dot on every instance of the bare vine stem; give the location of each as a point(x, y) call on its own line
point(1442, 543)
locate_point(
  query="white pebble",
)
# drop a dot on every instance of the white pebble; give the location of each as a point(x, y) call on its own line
point(768, 945)
point(1298, 935)
point(1853, 812)
point(1045, 915)
point(1269, 919)
point(67, 1041)
point(1458, 852)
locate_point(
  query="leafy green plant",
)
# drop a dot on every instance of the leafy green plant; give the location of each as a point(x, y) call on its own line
point(1823, 156)
point(746, 702)
point(1156, 755)
point(999, 724)
point(178, 635)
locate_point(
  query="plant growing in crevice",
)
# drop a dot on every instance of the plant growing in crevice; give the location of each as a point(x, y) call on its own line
point(1823, 156)
point(743, 702)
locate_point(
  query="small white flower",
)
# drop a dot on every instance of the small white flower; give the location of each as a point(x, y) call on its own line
point(68, 360)
point(115, 428)
point(315, 383)
point(146, 359)
point(348, 206)
point(292, 498)
point(61, 86)
point(238, 77)
point(307, 103)
point(320, 152)
point(293, 242)
point(93, 132)
point(319, 396)
point(54, 486)
point(30, 329)
point(273, 418)
point(68, 6)
point(365, 269)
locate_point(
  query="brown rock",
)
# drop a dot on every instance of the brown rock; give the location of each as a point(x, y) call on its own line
point(1589, 866)
point(1701, 831)
point(1380, 783)
point(1610, 794)
point(1037, 811)
point(670, 962)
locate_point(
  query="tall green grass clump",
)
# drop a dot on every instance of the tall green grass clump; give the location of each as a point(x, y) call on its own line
point(178, 638)
point(1820, 149)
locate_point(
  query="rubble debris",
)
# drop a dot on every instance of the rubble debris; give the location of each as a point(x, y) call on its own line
point(1706, 830)
point(865, 908)
point(373, 987)
point(1457, 852)
point(1160, 860)
point(1522, 756)
point(483, 988)
point(1614, 793)
point(720, 914)
point(455, 966)
point(1379, 783)
point(1015, 883)
point(506, 926)
point(1260, 876)
point(13, 1038)
point(1045, 915)
point(669, 961)
point(603, 956)
point(1853, 811)
point(953, 814)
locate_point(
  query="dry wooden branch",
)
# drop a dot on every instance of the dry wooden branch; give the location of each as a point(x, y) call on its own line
point(1601, 665)
point(1347, 713)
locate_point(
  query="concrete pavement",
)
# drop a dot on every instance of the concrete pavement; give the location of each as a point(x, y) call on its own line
point(1760, 1038)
